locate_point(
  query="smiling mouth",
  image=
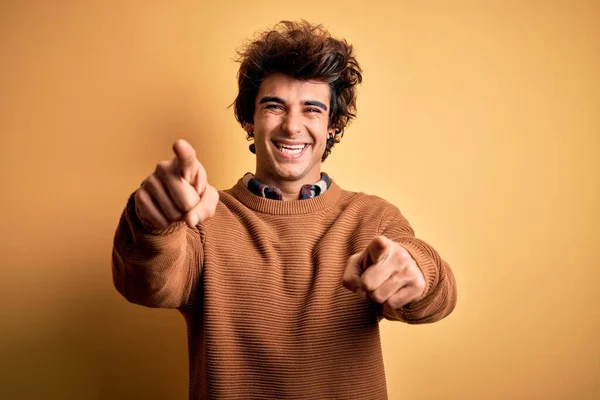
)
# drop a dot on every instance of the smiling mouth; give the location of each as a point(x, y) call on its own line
point(290, 149)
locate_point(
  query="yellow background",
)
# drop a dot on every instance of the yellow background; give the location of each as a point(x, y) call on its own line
point(479, 119)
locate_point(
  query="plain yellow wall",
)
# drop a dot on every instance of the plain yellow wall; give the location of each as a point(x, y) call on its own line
point(479, 119)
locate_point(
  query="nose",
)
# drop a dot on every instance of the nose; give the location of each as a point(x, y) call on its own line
point(292, 122)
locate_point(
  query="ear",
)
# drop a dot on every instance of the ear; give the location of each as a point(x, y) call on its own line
point(248, 127)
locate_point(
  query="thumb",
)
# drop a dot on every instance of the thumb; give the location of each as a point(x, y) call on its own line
point(186, 159)
point(376, 251)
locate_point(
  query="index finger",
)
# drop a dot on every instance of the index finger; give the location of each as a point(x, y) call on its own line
point(186, 158)
point(375, 251)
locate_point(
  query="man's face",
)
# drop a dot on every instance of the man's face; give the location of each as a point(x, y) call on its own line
point(290, 128)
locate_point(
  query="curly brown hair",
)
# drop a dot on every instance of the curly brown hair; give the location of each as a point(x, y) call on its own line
point(305, 52)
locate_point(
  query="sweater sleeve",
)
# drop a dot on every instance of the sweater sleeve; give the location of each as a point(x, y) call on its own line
point(155, 268)
point(439, 297)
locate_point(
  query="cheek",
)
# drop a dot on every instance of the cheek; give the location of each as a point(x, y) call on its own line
point(266, 123)
point(320, 134)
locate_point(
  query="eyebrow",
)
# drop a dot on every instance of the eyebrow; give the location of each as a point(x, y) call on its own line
point(275, 99)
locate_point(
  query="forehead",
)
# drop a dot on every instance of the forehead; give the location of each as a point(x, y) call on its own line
point(290, 89)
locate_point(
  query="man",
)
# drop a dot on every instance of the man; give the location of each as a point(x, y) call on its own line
point(283, 278)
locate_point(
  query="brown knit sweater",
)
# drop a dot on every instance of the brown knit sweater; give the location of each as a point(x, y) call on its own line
point(259, 285)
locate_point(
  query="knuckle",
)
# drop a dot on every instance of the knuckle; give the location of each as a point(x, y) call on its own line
point(203, 214)
point(152, 183)
point(188, 199)
point(367, 284)
point(350, 280)
point(186, 206)
point(377, 297)
point(345, 279)
point(163, 167)
point(347, 284)
point(212, 211)
point(172, 214)
point(210, 193)
point(142, 198)
point(394, 304)
point(398, 279)
point(155, 221)
point(414, 272)
point(403, 254)
point(161, 223)
point(212, 202)
point(138, 195)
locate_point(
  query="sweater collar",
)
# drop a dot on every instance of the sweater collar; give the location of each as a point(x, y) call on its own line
point(327, 199)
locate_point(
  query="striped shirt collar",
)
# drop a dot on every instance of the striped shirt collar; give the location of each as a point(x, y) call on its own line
point(306, 192)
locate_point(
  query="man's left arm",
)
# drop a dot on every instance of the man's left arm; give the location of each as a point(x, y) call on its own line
point(402, 273)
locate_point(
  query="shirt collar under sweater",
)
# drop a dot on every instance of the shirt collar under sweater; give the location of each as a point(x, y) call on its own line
point(306, 191)
point(242, 194)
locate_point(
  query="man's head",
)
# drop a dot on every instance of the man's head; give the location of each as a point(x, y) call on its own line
point(297, 89)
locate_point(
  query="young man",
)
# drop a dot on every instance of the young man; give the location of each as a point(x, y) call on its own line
point(283, 278)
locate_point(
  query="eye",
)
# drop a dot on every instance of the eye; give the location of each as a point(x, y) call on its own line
point(274, 107)
point(313, 110)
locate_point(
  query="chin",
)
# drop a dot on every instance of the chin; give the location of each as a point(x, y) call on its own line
point(291, 172)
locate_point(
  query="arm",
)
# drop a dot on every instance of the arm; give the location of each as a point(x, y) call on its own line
point(439, 296)
point(154, 267)
point(157, 251)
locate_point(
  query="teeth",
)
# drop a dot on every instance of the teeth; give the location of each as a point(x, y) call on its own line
point(291, 149)
point(294, 147)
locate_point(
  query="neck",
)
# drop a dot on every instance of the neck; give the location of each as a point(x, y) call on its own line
point(290, 189)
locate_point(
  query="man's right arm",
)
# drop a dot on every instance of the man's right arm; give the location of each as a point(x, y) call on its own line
point(155, 268)
point(157, 250)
